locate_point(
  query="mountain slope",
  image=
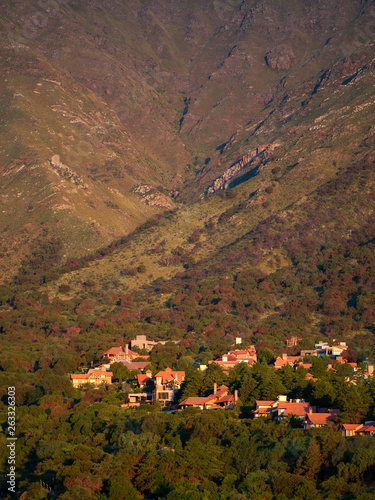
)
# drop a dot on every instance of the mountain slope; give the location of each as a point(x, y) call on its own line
point(102, 128)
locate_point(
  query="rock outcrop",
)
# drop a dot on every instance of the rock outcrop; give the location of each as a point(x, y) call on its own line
point(259, 154)
point(280, 58)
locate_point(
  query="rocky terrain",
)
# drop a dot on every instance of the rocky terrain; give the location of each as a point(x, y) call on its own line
point(112, 112)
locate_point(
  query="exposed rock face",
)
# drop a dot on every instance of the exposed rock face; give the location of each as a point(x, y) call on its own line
point(67, 173)
point(280, 58)
point(151, 196)
point(259, 154)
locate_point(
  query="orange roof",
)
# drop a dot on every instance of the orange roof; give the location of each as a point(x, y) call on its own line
point(367, 428)
point(143, 379)
point(193, 401)
point(298, 409)
point(351, 427)
point(99, 372)
point(306, 366)
point(264, 403)
point(261, 410)
point(226, 399)
point(114, 350)
point(169, 374)
point(320, 418)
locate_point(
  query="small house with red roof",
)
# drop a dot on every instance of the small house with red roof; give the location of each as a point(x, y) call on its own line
point(122, 353)
point(297, 409)
point(267, 408)
point(319, 419)
point(145, 379)
point(220, 398)
point(167, 383)
point(367, 428)
point(284, 360)
point(93, 376)
point(233, 358)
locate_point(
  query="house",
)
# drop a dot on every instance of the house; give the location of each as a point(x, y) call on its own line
point(297, 409)
point(167, 383)
point(162, 387)
point(141, 342)
point(93, 376)
point(139, 398)
point(145, 379)
point(319, 419)
point(267, 408)
point(324, 349)
point(285, 360)
point(280, 408)
point(220, 398)
point(359, 429)
point(121, 353)
point(236, 356)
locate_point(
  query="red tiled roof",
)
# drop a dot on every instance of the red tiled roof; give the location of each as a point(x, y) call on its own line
point(193, 401)
point(320, 418)
point(261, 410)
point(114, 351)
point(306, 366)
point(226, 399)
point(351, 427)
point(298, 409)
point(367, 428)
point(169, 374)
point(143, 379)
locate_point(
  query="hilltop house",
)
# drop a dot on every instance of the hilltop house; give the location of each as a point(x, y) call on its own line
point(285, 360)
point(141, 342)
point(162, 387)
point(319, 419)
point(233, 358)
point(281, 408)
point(167, 383)
point(267, 408)
point(121, 353)
point(93, 376)
point(366, 429)
point(324, 349)
point(220, 398)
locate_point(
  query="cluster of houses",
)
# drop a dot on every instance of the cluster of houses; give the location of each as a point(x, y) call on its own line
point(321, 350)
point(236, 356)
point(310, 416)
point(102, 374)
point(280, 408)
point(163, 386)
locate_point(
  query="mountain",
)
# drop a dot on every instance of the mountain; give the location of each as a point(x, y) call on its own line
point(113, 112)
